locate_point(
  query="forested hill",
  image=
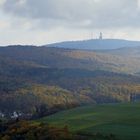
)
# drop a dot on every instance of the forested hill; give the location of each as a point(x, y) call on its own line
point(69, 58)
point(96, 44)
point(33, 79)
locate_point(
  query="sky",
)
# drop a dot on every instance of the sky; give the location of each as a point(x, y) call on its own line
point(40, 22)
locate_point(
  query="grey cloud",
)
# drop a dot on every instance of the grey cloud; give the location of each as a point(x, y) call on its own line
point(77, 13)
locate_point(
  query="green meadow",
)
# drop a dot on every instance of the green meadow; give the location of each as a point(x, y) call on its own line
point(121, 120)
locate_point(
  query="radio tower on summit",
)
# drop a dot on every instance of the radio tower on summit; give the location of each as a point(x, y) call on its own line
point(101, 36)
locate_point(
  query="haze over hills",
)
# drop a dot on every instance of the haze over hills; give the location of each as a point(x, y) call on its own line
point(96, 44)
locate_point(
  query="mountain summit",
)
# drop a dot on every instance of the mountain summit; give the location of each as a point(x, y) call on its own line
point(96, 44)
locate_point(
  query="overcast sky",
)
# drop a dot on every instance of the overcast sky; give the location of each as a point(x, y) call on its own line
point(46, 21)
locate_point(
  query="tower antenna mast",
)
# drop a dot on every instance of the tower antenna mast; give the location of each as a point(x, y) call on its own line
point(101, 36)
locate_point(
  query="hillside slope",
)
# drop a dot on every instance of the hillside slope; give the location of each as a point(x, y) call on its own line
point(126, 51)
point(25, 87)
point(66, 58)
point(120, 120)
point(33, 77)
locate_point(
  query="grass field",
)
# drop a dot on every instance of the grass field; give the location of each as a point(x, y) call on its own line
point(122, 120)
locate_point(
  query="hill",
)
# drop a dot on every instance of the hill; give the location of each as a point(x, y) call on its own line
point(131, 52)
point(67, 58)
point(96, 44)
point(33, 79)
point(120, 120)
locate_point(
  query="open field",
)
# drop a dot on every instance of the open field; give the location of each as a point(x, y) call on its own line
point(122, 120)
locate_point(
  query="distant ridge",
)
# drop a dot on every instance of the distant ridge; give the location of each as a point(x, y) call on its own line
point(96, 44)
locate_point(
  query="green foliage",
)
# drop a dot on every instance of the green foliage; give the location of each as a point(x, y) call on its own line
point(28, 131)
point(23, 130)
